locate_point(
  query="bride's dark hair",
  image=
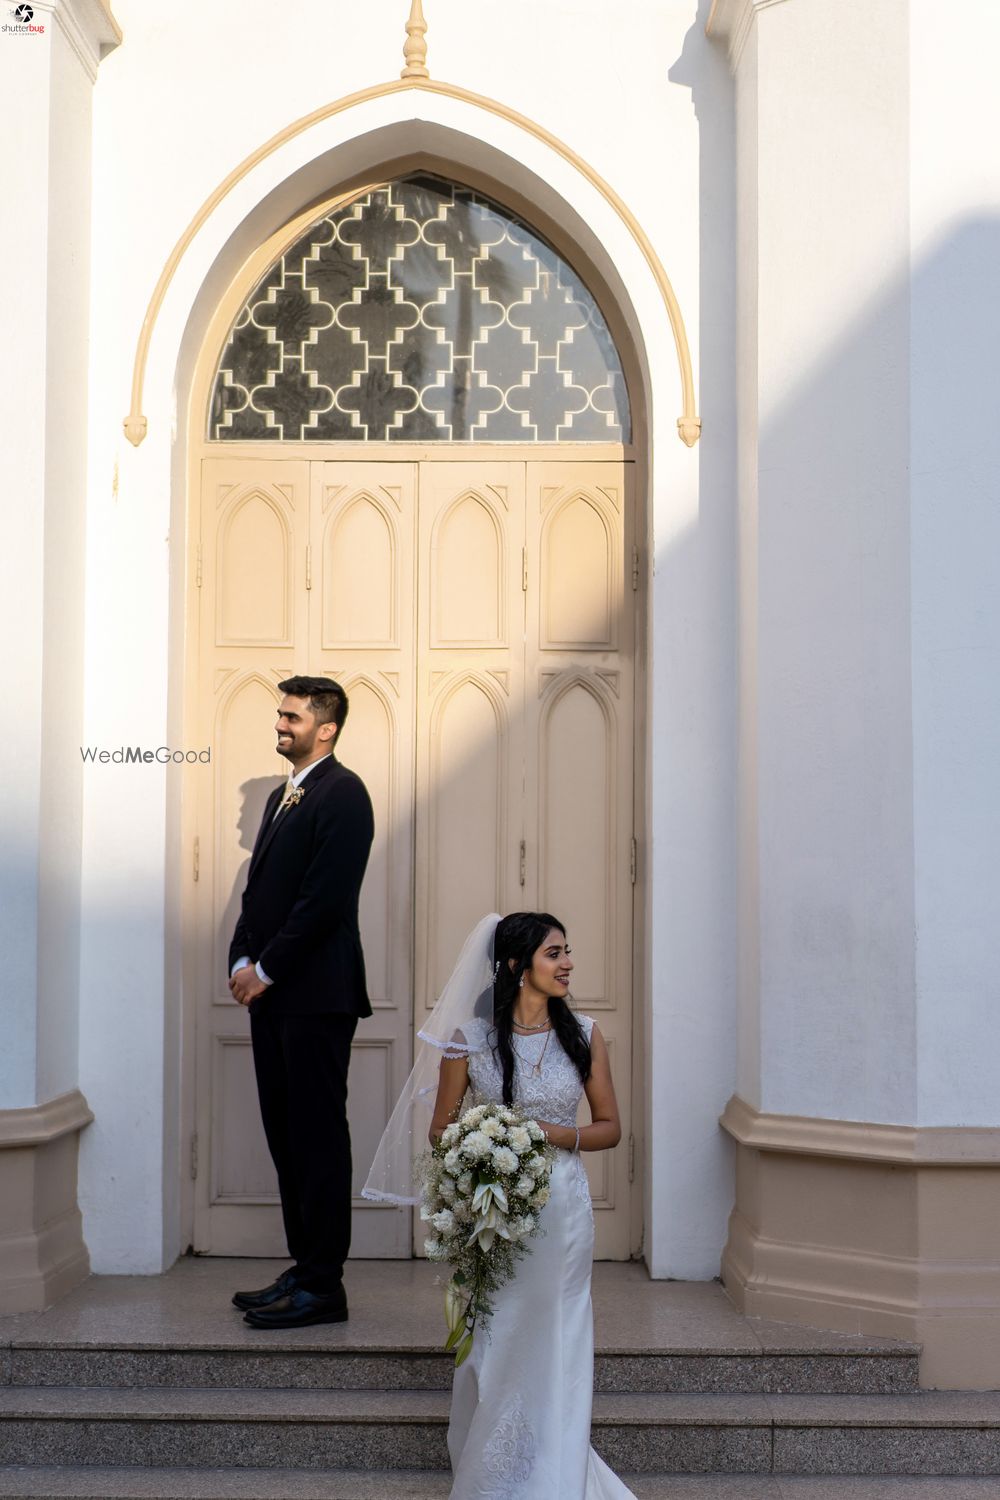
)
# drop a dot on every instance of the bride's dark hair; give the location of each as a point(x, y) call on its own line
point(519, 937)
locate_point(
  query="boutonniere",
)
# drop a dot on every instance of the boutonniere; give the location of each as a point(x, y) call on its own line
point(294, 797)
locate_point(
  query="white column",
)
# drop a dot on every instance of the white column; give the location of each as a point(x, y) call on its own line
point(48, 74)
point(955, 545)
point(827, 952)
point(47, 71)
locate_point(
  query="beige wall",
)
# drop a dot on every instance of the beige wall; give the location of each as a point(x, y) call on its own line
point(871, 1229)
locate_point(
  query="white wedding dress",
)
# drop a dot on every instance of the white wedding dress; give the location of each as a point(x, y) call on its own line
point(520, 1411)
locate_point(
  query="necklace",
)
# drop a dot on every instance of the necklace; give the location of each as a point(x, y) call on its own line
point(540, 1027)
point(536, 1068)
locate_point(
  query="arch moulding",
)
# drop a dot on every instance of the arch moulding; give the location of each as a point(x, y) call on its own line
point(688, 423)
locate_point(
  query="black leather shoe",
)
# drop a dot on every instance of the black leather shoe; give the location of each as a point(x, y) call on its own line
point(299, 1309)
point(267, 1294)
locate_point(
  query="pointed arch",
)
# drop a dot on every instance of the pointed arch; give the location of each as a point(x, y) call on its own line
point(688, 423)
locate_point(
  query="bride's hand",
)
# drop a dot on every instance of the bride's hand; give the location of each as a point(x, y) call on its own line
point(563, 1136)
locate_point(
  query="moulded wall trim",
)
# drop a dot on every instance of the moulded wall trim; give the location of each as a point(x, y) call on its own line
point(732, 20)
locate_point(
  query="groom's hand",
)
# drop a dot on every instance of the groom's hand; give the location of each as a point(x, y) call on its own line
point(245, 985)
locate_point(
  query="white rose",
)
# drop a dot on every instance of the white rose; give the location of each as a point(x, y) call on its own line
point(433, 1249)
point(524, 1186)
point(542, 1196)
point(507, 1115)
point(534, 1130)
point(493, 1128)
point(537, 1166)
point(450, 1135)
point(473, 1117)
point(477, 1145)
point(444, 1222)
point(520, 1140)
point(447, 1189)
point(464, 1183)
point(505, 1160)
point(526, 1224)
point(452, 1161)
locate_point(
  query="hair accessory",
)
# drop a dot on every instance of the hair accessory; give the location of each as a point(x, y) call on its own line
point(496, 970)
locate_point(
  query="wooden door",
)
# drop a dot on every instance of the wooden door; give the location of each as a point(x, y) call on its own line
point(479, 614)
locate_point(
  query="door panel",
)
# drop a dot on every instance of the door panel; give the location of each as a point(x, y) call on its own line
point(578, 773)
point(361, 633)
point(252, 613)
point(470, 707)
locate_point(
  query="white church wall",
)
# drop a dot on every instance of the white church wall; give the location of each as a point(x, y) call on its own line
point(172, 120)
point(748, 1075)
point(66, 340)
point(26, 93)
point(45, 249)
point(831, 570)
point(955, 543)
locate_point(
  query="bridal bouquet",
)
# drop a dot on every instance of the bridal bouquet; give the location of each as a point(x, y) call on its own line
point(484, 1184)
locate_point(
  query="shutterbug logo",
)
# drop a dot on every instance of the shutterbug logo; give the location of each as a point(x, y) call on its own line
point(22, 23)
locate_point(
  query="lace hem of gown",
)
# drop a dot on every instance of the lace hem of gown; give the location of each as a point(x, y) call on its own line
point(509, 1455)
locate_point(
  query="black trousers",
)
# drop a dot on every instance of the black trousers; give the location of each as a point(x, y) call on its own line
point(301, 1064)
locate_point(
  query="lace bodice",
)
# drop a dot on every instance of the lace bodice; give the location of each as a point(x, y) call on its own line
point(551, 1094)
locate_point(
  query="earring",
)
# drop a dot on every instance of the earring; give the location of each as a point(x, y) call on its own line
point(520, 984)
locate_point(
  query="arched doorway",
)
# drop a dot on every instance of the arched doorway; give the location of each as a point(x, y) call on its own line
point(416, 475)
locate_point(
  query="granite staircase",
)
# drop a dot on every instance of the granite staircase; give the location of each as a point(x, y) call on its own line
point(154, 1387)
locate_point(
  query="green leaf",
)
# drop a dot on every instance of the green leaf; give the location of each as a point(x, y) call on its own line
point(464, 1350)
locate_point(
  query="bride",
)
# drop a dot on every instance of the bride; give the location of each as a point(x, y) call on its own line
point(521, 1401)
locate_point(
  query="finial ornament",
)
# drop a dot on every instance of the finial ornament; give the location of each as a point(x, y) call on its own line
point(415, 46)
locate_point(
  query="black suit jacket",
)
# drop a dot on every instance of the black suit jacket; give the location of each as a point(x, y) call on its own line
point(299, 917)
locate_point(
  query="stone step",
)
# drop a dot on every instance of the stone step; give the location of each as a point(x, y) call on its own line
point(290, 1484)
point(180, 1329)
point(287, 1365)
point(932, 1434)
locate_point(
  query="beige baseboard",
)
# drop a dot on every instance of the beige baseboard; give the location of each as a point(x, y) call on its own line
point(874, 1229)
point(42, 1253)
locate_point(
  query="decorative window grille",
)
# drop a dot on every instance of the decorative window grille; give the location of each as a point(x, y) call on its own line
point(420, 312)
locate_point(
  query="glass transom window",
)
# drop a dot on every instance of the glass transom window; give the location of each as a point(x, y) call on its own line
point(420, 312)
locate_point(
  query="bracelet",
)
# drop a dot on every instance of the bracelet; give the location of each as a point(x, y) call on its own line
point(576, 1144)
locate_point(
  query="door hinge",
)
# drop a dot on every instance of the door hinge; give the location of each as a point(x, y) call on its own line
point(309, 567)
point(197, 856)
point(194, 1156)
point(631, 1158)
point(635, 567)
point(524, 862)
point(524, 569)
point(633, 860)
point(197, 568)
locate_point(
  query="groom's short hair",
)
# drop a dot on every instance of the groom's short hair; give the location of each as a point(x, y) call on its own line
point(327, 698)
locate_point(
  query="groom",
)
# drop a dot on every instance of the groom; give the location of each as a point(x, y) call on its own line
point(296, 963)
